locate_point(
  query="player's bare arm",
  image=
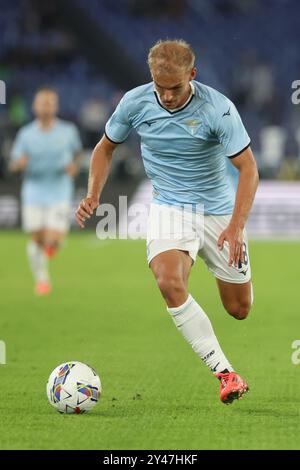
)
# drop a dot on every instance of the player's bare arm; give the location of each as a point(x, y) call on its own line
point(99, 170)
point(73, 168)
point(248, 181)
point(19, 165)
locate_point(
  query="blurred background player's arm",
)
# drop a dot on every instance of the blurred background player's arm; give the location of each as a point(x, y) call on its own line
point(18, 165)
point(73, 168)
point(99, 170)
point(18, 159)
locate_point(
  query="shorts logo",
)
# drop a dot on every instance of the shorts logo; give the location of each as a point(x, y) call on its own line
point(243, 267)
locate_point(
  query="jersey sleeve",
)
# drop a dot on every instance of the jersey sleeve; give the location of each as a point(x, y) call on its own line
point(118, 126)
point(230, 130)
point(19, 147)
point(76, 144)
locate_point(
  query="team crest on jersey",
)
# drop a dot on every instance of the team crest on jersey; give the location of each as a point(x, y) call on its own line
point(192, 123)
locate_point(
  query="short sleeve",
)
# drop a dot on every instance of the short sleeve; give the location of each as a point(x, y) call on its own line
point(19, 147)
point(118, 126)
point(230, 130)
point(76, 144)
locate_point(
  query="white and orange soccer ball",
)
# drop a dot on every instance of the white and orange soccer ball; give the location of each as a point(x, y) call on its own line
point(73, 387)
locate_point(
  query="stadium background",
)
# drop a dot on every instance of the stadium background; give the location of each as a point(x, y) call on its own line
point(92, 52)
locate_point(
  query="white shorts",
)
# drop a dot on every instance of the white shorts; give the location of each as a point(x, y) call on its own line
point(57, 217)
point(170, 227)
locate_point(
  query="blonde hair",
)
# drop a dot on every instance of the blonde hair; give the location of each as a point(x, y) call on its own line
point(169, 55)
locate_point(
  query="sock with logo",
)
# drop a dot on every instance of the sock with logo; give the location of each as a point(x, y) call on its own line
point(196, 328)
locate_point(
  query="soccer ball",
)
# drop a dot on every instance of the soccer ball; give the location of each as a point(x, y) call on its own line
point(73, 387)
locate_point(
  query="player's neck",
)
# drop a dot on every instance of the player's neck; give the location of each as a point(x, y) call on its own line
point(46, 124)
point(187, 96)
point(184, 101)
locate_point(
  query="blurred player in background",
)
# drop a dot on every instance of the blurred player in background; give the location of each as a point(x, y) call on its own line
point(187, 131)
point(47, 150)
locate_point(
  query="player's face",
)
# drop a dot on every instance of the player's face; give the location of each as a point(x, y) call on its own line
point(173, 89)
point(45, 105)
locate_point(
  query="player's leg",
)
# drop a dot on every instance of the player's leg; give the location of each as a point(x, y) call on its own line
point(234, 282)
point(33, 219)
point(170, 259)
point(235, 289)
point(57, 222)
point(38, 263)
point(171, 269)
point(236, 298)
point(52, 241)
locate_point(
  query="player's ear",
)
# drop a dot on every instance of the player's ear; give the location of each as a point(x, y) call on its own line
point(193, 73)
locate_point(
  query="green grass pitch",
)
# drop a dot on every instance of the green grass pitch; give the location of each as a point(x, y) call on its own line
point(106, 310)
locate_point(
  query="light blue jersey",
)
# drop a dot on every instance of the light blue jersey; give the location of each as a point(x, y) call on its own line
point(46, 182)
point(184, 151)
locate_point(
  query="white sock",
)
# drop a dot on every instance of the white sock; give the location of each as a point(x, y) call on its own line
point(38, 262)
point(196, 328)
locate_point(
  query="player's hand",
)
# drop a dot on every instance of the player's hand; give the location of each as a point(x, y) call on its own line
point(234, 236)
point(72, 169)
point(20, 164)
point(85, 210)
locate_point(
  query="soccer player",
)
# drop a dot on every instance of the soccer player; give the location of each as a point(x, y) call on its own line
point(47, 151)
point(187, 131)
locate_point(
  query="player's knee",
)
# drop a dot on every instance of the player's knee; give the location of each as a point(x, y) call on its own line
point(239, 310)
point(172, 288)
